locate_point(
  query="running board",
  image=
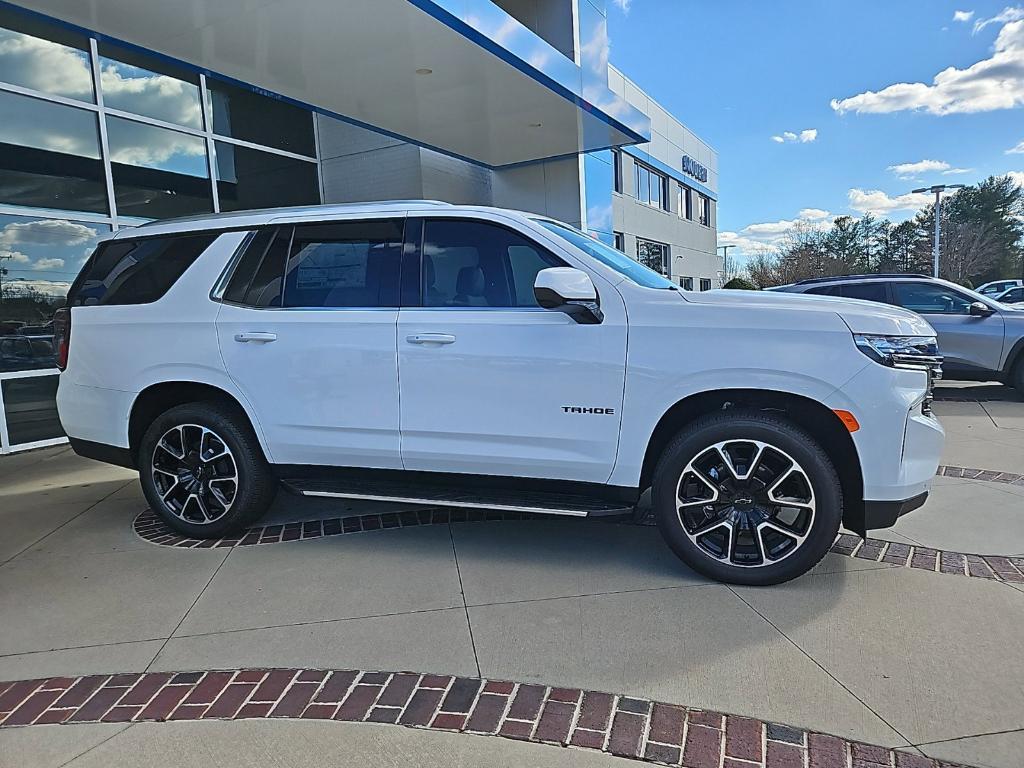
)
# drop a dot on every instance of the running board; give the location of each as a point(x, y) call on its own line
point(541, 503)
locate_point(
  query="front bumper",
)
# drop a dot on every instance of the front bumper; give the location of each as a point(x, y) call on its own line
point(884, 514)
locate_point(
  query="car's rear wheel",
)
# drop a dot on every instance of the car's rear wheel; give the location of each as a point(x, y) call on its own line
point(203, 472)
point(747, 497)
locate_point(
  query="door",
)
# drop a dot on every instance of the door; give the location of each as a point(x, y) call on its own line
point(967, 342)
point(493, 384)
point(307, 332)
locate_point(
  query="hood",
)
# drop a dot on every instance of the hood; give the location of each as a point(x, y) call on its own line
point(861, 316)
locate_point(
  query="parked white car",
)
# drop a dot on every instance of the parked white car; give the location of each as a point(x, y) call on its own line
point(470, 356)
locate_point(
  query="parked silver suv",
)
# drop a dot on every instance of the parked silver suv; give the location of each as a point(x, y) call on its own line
point(980, 339)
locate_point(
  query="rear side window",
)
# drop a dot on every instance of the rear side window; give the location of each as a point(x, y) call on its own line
point(345, 264)
point(824, 290)
point(867, 291)
point(257, 279)
point(136, 271)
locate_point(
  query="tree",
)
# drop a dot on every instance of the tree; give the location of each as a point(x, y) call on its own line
point(740, 284)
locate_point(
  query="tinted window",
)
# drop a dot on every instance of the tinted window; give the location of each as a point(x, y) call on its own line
point(260, 284)
point(44, 57)
point(134, 82)
point(242, 114)
point(136, 271)
point(475, 264)
point(255, 248)
point(824, 290)
point(866, 291)
point(929, 298)
point(347, 264)
point(248, 178)
point(50, 155)
point(1017, 294)
point(158, 173)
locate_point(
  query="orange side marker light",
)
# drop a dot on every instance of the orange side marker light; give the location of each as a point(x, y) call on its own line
point(848, 419)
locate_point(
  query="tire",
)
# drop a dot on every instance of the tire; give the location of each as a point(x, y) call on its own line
point(1017, 376)
point(198, 498)
point(770, 460)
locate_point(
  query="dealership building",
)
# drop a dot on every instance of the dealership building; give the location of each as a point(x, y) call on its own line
point(114, 112)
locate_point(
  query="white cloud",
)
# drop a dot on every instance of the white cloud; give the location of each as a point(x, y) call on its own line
point(879, 203)
point(963, 16)
point(13, 257)
point(47, 232)
point(1008, 14)
point(768, 234)
point(1018, 150)
point(804, 137)
point(46, 287)
point(957, 171)
point(911, 170)
point(990, 84)
point(1017, 176)
point(624, 5)
point(45, 265)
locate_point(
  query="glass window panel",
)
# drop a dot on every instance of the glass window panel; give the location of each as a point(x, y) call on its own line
point(31, 409)
point(50, 156)
point(928, 298)
point(44, 57)
point(40, 258)
point(868, 291)
point(652, 255)
point(475, 264)
point(158, 173)
point(248, 178)
point(133, 82)
point(657, 182)
point(137, 271)
point(242, 114)
point(347, 264)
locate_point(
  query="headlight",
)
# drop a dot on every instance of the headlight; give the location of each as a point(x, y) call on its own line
point(919, 353)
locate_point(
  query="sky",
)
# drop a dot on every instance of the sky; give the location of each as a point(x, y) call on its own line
point(822, 108)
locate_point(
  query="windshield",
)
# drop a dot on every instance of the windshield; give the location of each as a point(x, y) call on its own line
point(608, 256)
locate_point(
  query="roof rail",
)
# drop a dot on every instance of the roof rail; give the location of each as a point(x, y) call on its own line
point(284, 211)
point(838, 278)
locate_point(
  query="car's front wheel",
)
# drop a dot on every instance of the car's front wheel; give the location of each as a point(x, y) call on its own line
point(203, 472)
point(747, 497)
point(1017, 376)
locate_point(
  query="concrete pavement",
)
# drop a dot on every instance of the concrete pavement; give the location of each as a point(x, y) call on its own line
point(864, 650)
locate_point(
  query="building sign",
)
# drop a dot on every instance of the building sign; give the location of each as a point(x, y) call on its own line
point(692, 168)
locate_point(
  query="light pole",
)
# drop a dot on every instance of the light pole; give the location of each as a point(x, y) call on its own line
point(725, 258)
point(938, 189)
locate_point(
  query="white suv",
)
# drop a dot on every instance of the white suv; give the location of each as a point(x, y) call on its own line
point(469, 356)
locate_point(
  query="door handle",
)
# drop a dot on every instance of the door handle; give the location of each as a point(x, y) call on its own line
point(258, 337)
point(431, 338)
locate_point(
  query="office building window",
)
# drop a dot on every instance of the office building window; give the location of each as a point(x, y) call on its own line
point(617, 169)
point(704, 210)
point(705, 284)
point(685, 202)
point(620, 241)
point(250, 178)
point(686, 283)
point(133, 82)
point(653, 255)
point(44, 57)
point(650, 186)
point(243, 114)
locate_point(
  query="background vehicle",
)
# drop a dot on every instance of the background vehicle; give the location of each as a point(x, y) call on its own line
point(998, 286)
point(476, 357)
point(20, 353)
point(1011, 296)
point(980, 339)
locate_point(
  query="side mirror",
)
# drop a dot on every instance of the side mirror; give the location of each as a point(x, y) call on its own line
point(568, 290)
point(980, 309)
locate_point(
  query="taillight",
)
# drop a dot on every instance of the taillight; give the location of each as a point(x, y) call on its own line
point(62, 336)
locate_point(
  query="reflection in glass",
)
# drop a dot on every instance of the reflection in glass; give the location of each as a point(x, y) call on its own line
point(42, 257)
point(44, 57)
point(652, 255)
point(133, 82)
point(248, 178)
point(50, 155)
point(158, 173)
point(31, 406)
point(242, 114)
